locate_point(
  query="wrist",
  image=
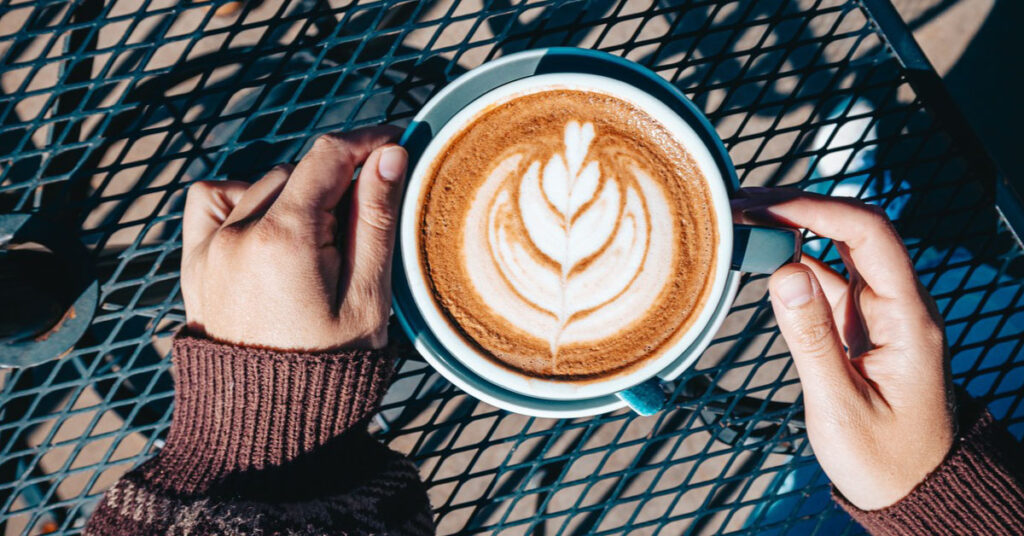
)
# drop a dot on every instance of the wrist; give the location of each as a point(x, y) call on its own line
point(293, 339)
point(879, 477)
point(979, 480)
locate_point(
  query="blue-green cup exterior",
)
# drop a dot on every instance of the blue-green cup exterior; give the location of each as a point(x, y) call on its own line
point(647, 397)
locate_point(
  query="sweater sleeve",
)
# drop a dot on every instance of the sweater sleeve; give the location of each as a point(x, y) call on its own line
point(977, 489)
point(267, 442)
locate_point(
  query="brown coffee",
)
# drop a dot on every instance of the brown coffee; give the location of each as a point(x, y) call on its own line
point(567, 235)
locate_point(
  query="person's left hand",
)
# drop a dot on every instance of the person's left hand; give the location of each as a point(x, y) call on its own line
point(262, 264)
point(870, 349)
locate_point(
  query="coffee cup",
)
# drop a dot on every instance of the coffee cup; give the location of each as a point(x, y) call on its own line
point(735, 247)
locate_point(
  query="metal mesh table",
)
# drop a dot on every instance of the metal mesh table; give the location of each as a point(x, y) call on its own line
point(108, 110)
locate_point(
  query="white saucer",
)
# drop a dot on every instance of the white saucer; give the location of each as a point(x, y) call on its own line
point(441, 108)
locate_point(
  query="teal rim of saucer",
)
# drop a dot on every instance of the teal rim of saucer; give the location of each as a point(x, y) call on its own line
point(474, 84)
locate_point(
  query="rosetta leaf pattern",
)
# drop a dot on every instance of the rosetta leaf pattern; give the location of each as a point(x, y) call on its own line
point(591, 227)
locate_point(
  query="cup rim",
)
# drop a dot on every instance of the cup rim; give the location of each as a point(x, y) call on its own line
point(719, 175)
point(497, 396)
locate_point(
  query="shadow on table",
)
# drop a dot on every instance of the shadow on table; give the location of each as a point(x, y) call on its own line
point(986, 83)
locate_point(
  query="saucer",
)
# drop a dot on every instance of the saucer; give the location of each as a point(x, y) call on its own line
point(452, 370)
point(446, 104)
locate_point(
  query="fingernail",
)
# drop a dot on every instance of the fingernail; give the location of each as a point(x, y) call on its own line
point(391, 165)
point(795, 290)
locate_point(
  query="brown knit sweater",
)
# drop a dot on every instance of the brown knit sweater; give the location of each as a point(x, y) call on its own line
point(266, 442)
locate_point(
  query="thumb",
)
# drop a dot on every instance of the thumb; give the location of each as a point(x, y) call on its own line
point(374, 217)
point(806, 322)
point(324, 174)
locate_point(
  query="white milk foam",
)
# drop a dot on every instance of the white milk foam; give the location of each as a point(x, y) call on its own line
point(597, 250)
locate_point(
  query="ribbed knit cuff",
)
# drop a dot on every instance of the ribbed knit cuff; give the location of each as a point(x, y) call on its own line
point(242, 410)
point(978, 489)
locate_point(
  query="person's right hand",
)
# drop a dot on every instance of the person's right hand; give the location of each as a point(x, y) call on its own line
point(870, 351)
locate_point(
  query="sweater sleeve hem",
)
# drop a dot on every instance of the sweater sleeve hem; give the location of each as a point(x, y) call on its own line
point(241, 409)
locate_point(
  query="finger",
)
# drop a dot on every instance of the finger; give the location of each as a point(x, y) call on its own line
point(805, 320)
point(876, 250)
point(207, 206)
point(756, 196)
point(325, 172)
point(739, 214)
point(258, 198)
point(837, 290)
point(374, 216)
point(832, 284)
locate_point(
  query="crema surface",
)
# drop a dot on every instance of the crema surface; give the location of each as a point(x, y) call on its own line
point(567, 235)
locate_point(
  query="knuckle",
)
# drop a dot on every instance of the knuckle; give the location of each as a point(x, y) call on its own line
point(224, 248)
point(931, 308)
point(281, 169)
point(873, 224)
point(325, 142)
point(378, 214)
point(330, 153)
point(272, 229)
point(815, 336)
point(333, 144)
point(327, 226)
point(226, 237)
point(286, 225)
point(225, 241)
point(199, 191)
point(200, 188)
point(876, 211)
point(877, 218)
point(922, 321)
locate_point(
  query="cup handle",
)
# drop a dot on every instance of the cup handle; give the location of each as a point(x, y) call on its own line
point(762, 250)
point(646, 398)
point(756, 249)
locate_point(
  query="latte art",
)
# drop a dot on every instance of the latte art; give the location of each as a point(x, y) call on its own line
point(567, 235)
point(587, 234)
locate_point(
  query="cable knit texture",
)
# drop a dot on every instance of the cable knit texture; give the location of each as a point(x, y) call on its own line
point(978, 489)
point(267, 442)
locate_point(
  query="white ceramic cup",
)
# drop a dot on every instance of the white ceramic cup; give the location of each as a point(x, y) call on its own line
point(468, 354)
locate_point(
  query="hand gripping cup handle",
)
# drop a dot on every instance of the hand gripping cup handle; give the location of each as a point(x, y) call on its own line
point(756, 250)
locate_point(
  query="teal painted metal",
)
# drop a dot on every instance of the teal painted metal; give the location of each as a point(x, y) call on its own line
point(87, 90)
